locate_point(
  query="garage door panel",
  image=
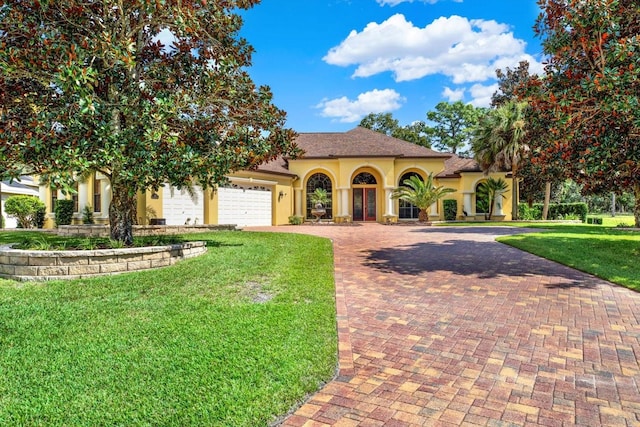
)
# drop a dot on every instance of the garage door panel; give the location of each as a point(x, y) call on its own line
point(244, 207)
point(179, 207)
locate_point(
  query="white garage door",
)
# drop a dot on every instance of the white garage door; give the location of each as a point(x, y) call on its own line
point(244, 207)
point(179, 207)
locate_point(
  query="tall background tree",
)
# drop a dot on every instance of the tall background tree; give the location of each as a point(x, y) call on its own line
point(385, 123)
point(145, 92)
point(589, 94)
point(500, 143)
point(453, 125)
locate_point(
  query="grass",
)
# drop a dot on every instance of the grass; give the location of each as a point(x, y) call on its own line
point(233, 338)
point(615, 221)
point(605, 252)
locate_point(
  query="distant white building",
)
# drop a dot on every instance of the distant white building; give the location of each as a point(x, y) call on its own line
point(26, 186)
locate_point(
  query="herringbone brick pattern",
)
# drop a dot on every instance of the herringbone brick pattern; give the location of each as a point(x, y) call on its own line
point(444, 326)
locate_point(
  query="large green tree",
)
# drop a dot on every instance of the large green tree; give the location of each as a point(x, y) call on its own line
point(500, 143)
point(453, 125)
point(590, 94)
point(385, 123)
point(145, 92)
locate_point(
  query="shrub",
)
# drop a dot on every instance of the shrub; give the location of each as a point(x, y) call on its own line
point(450, 209)
point(556, 211)
point(594, 220)
point(41, 214)
point(24, 209)
point(64, 212)
point(296, 220)
point(87, 215)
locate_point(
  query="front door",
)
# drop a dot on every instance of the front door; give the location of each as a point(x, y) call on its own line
point(364, 204)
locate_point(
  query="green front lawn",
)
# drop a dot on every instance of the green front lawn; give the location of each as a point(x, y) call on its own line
point(608, 253)
point(235, 338)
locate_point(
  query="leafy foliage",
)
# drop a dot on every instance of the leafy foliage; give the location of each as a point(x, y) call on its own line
point(63, 211)
point(385, 123)
point(491, 190)
point(500, 142)
point(87, 215)
point(144, 92)
point(450, 209)
point(421, 193)
point(25, 209)
point(453, 125)
point(556, 211)
point(589, 95)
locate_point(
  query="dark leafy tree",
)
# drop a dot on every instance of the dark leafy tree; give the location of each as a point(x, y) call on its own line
point(385, 123)
point(590, 92)
point(145, 92)
point(510, 83)
point(453, 125)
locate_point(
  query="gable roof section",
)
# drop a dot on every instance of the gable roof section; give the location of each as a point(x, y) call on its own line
point(360, 142)
point(279, 166)
point(455, 165)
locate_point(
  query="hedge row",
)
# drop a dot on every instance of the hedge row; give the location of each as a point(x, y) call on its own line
point(556, 211)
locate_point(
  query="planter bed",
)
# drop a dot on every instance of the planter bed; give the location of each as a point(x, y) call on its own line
point(139, 230)
point(28, 265)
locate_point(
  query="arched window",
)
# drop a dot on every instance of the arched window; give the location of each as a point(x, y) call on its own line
point(365, 178)
point(407, 210)
point(319, 180)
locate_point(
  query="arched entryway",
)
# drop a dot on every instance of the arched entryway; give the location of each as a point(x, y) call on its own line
point(365, 197)
point(407, 210)
point(319, 180)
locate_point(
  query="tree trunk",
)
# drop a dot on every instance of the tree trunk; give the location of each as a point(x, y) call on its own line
point(613, 204)
point(547, 198)
point(423, 216)
point(122, 213)
point(514, 195)
point(636, 208)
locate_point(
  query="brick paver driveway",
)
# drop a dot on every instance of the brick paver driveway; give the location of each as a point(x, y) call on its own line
point(444, 326)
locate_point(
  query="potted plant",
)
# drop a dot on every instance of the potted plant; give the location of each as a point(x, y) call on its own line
point(319, 198)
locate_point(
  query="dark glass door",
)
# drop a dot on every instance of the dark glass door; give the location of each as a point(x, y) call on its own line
point(364, 204)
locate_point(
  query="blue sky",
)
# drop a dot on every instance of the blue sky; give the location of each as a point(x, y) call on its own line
point(331, 62)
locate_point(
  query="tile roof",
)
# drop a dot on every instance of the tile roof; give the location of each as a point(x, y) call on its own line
point(454, 165)
point(360, 142)
point(279, 166)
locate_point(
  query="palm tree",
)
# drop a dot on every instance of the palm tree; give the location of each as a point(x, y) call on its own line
point(421, 193)
point(492, 189)
point(500, 142)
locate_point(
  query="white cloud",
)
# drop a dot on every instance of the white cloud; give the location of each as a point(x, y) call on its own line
point(481, 94)
point(349, 111)
point(465, 50)
point(397, 2)
point(453, 95)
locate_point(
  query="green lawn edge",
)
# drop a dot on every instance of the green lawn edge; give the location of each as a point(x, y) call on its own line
point(608, 253)
point(236, 337)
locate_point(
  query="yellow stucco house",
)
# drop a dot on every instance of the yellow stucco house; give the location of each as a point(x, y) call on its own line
point(359, 169)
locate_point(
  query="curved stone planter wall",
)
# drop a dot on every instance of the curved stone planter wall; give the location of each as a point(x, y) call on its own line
point(25, 265)
point(138, 230)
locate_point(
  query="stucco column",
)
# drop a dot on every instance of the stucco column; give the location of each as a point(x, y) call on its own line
point(497, 206)
point(467, 203)
point(42, 192)
point(298, 201)
point(344, 201)
point(83, 194)
point(105, 198)
point(434, 209)
point(388, 192)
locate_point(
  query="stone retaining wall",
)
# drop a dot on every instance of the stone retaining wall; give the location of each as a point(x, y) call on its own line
point(138, 230)
point(26, 265)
